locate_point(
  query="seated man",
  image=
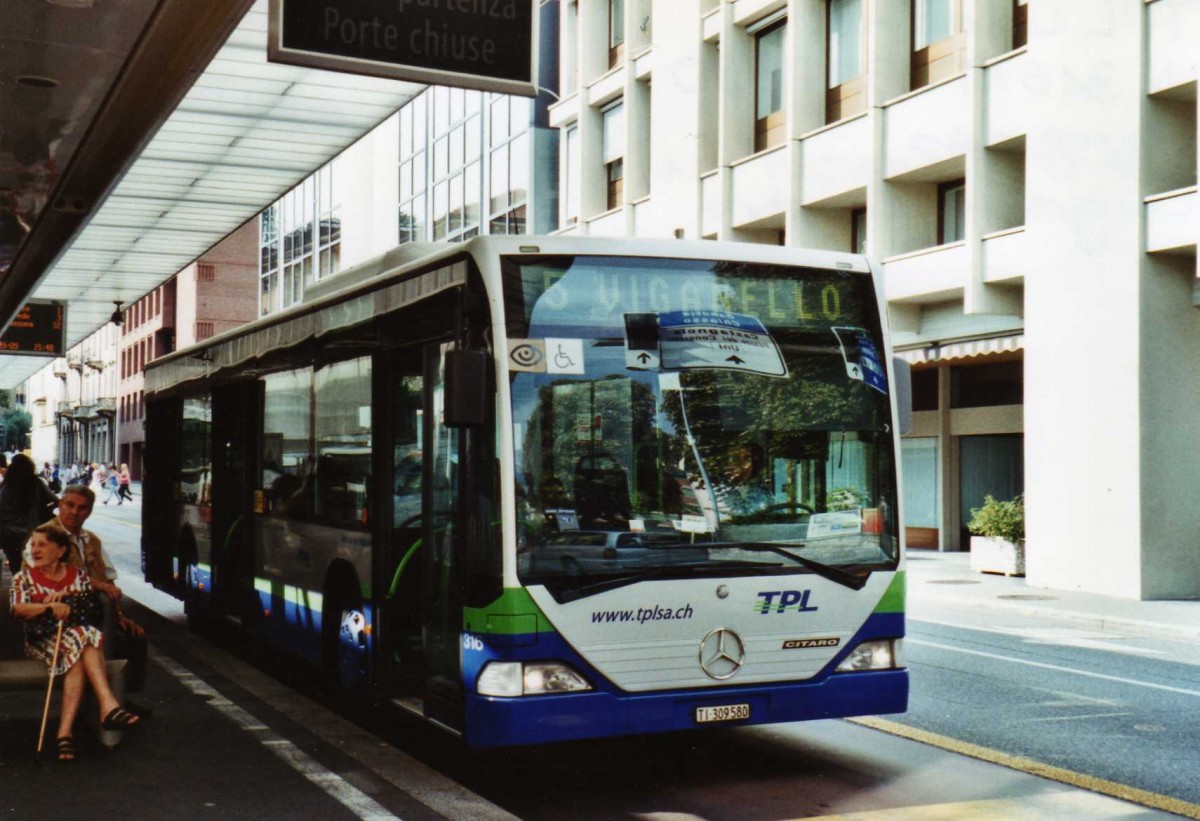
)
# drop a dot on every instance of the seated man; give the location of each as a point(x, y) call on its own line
point(126, 639)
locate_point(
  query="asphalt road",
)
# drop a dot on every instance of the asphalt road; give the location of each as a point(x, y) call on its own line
point(1017, 694)
point(1117, 707)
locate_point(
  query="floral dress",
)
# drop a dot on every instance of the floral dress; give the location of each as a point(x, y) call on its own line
point(81, 629)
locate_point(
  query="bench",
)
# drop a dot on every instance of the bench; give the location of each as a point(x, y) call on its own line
point(27, 674)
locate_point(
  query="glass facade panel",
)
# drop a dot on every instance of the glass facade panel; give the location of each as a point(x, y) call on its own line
point(499, 186)
point(518, 182)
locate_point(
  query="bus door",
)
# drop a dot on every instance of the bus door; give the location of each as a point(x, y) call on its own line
point(231, 489)
point(400, 561)
point(422, 609)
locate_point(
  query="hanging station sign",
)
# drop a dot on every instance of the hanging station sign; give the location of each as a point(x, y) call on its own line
point(490, 45)
point(39, 329)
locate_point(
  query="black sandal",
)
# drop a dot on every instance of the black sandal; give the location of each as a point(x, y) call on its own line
point(119, 718)
point(66, 749)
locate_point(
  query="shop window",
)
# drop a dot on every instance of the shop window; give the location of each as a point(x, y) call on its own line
point(769, 115)
point(925, 389)
point(846, 86)
point(952, 202)
point(938, 42)
point(982, 386)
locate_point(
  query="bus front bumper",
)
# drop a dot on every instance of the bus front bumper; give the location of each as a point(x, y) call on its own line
point(494, 722)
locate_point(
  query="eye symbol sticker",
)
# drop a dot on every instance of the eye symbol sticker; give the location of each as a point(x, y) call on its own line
point(527, 355)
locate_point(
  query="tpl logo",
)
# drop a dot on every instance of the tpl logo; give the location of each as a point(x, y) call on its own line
point(778, 601)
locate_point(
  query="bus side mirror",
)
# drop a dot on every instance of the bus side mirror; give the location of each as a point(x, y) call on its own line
point(466, 388)
point(902, 373)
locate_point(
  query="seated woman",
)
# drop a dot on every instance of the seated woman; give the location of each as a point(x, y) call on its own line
point(50, 591)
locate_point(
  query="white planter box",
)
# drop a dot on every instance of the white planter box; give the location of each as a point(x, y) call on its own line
point(990, 554)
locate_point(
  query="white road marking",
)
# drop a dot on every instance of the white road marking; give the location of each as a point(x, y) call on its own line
point(1118, 679)
point(1073, 718)
point(1066, 636)
point(349, 796)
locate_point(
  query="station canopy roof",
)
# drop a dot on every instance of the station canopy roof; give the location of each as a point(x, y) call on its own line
point(136, 134)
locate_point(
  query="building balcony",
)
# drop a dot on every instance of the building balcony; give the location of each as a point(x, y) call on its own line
point(927, 127)
point(1172, 59)
point(1007, 82)
point(1171, 220)
point(66, 409)
point(710, 204)
point(930, 275)
point(609, 224)
point(1005, 257)
point(106, 406)
point(760, 186)
point(836, 160)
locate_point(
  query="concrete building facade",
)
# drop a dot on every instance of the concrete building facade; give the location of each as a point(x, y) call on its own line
point(213, 294)
point(1025, 175)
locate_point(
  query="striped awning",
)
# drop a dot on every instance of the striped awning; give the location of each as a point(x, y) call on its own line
point(966, 349)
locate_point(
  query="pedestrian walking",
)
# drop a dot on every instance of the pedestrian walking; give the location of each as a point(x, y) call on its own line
point(111, 486)
point(124, 493)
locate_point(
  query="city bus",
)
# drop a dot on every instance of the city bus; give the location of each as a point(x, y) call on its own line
point(535, 489)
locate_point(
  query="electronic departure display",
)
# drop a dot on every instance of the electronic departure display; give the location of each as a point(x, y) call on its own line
point(38, 330)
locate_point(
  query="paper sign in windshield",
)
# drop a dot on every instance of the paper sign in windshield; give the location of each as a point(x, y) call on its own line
point(861, 358)
point(716, 339)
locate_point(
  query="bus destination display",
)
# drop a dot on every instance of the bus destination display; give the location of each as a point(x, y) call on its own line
point(38, 330)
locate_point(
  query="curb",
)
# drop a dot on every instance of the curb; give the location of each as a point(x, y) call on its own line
point(1083, 619)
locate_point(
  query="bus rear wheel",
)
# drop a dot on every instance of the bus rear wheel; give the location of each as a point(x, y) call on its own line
point(344, 646)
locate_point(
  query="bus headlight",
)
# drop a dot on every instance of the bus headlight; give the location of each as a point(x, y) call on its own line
point(881, 654)
point(531, 678)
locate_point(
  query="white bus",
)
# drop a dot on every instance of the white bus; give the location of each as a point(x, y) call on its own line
point(542, 488)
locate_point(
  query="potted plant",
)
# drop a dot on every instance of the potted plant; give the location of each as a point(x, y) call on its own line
point(998, 543)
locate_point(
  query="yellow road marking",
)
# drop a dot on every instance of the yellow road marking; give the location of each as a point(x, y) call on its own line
point(1028, 765)
point(1060, 806)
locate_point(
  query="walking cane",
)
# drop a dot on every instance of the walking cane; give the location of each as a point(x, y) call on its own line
point(49, 689)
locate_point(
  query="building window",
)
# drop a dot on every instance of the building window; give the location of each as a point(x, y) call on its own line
point(938, 42)
point(616, 31)
point(952, 202)
point(614, 153)
point(858, 230)
point(205, 272)
point(203, 330)
point(570, 176)
point(846, 94)
point(570, 47)
point(1020, 23)
point(769, 117)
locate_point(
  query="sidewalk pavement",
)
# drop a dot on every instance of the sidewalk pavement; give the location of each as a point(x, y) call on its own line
point(946, 578)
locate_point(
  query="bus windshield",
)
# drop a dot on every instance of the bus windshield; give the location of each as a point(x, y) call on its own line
point(674, 417)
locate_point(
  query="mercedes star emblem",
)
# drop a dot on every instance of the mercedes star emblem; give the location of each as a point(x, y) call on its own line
point(722, 654)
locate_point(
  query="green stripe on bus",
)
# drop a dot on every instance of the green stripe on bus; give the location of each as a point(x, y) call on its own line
point(513, 613)
point(893, 598)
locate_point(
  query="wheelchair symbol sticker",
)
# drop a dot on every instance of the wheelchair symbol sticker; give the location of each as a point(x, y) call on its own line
point(564, 356)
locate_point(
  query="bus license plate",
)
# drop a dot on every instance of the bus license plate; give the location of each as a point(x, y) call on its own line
point(728, 712)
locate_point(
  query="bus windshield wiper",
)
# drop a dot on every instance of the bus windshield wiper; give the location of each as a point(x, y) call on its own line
point(828, 571)
point(664, 571)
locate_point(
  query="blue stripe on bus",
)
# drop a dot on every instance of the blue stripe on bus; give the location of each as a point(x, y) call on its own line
point(608, 711)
